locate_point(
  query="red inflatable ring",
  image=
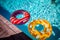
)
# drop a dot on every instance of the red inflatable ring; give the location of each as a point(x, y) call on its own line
point(23, 20)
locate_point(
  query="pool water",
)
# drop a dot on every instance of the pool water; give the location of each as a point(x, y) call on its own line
point(19, 16)
point(39, 27)
point(38, 9)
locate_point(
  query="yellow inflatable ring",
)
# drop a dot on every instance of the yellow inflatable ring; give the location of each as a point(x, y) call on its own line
point(40, 35)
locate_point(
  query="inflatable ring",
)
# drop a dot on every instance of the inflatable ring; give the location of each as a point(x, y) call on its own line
point(40, 35)
point(23, 20)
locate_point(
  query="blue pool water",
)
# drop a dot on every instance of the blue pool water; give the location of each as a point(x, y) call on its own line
point(39, 27)
point(19, 16)
point(42, 9)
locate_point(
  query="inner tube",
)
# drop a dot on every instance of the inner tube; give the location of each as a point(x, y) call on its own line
point(23, 20)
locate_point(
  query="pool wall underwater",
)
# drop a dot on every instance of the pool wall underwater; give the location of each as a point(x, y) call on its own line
point(38, 9)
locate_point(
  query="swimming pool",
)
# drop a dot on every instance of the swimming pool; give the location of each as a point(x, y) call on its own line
point(42, 9)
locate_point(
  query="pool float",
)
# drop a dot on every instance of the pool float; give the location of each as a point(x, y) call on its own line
point(23, 20)
point(40, 35)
